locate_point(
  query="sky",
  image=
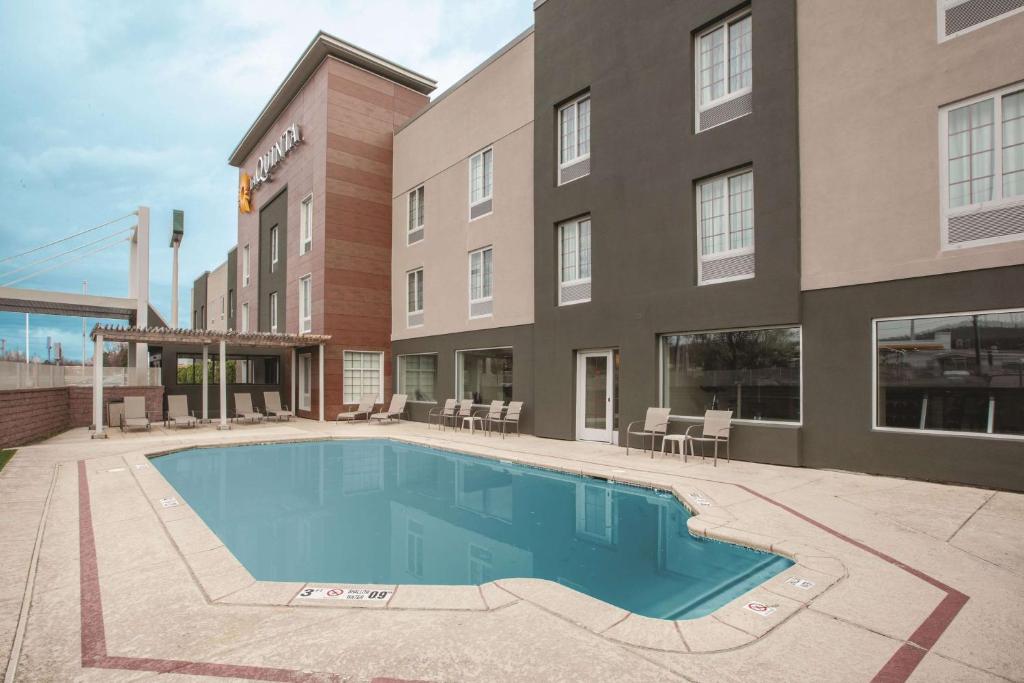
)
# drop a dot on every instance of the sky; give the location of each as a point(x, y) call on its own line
point(109, 106)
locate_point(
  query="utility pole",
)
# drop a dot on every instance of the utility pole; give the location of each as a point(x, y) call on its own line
point(26, 339)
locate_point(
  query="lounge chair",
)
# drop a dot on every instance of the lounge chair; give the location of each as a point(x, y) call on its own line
point(715, 429)
point(365, 409)
point(493, 416)
point(512, 417)
point(178, 414)
point(394, 411)
point(244, 409)
point(272, 404)
point(465, 410)
point(654, 425)
point(134, 415)
point(443, 415)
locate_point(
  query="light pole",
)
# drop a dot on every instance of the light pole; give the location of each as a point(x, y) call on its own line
point(85, 290)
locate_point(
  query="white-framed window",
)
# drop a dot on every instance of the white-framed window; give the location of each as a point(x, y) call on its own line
point(222, 308)
point(725, 227)
point(305, 381)
point(417, 376)
point(305, 304)
point(574, 132)
point(415, 291)
point(245, 266)
point(414, 227)
point(957, 17)
point(950, 373)
point(273, 249)
point(574, 261)
point(982, 142)
point(481, 177)
point(724, 64)
point(481, 279)
point(306, 224)
point(363, 374)
point(245, 317)
point(273, 312)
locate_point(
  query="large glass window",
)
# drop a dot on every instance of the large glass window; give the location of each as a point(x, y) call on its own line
point(481, 176)
point(417, 377)
point(574, 131)
point(957, 373)
point(725, 60)
point(363, 375)
point(484, 375)
point(754, 373)
point(240, 369)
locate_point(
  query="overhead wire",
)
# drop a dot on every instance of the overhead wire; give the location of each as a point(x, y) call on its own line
point(65, 239)
point(28, 266)
point(64, 263)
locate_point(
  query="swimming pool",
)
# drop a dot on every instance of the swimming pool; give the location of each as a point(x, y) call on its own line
point(378, 511)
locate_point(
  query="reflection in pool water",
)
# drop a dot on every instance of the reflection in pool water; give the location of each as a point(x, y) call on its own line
point(386, 512)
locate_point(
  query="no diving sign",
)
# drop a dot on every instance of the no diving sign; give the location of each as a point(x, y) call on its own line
point(759, 608)
point(347, 594)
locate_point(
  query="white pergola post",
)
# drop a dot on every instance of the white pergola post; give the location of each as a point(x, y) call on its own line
point(206, 382)
point(321, 389)
point(295, 358)
point(97, 389)
point(223, 387)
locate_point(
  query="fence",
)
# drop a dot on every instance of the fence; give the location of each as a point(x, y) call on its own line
point(15, 375)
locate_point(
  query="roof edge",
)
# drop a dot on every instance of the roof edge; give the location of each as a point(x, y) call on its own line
point(468, 77)
point(322, 46)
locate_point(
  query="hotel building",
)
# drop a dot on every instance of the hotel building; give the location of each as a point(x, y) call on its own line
point(802, 212)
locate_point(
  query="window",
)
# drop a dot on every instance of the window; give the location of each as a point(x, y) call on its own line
point(195, 320)
point(484, 375)
point(957, 17)
point(245, 317)
point(305, 304)
point(417, 376)
point(724, 63)
point(725, 221)
point(574, 140)
point(264, 370)
point(754, 373)
point(983, 185)
point(481, 280)
point(273, 249)
point(189, 369)
point(414, 548)
point(222, 308)
point(231, 303)
point(245, 266)
point(574, 262)
point(202, 315)
point(416, 208)
point(364, 374)
point(305, 381)
point(273, 312)
point(481, 183)
point(415, 297)
point(306, 225)
point(595, 520)
point(951, 373)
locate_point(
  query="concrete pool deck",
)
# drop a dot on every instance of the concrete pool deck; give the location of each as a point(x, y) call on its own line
point(912, 581)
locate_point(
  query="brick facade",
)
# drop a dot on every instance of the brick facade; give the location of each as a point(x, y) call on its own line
point(29, 415)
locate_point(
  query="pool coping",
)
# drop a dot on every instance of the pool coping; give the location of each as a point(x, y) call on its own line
point(224, 580)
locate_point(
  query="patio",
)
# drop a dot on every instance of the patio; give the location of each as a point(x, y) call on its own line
point(914, 581)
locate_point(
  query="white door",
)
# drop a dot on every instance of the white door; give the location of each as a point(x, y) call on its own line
point(595, 396)
point(305, 380)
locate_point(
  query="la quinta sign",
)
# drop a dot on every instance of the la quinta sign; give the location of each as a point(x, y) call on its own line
point(281, 148)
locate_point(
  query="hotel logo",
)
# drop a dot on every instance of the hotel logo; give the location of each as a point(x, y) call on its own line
point(281, 148)
point(244, 193)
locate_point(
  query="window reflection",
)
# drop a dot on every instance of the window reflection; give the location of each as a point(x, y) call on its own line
point(962, 373)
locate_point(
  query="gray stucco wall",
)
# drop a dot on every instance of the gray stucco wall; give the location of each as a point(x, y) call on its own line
point(233, 289)
point(636, 58)
point(838, 372)
point(273, 214)
point(198, 312)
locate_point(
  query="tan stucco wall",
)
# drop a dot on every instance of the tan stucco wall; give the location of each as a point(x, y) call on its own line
point(216, 293)
point(494, 107)
point(872, 78)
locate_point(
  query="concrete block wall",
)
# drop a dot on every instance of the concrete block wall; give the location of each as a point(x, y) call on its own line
point(80, 402)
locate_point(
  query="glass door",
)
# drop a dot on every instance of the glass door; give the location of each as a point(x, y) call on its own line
point(305, 380)
point(595, 396)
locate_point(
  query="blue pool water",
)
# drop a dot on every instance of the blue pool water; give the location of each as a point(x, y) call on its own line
point(386, 512)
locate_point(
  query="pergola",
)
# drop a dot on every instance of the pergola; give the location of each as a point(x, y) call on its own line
point(204, 338)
